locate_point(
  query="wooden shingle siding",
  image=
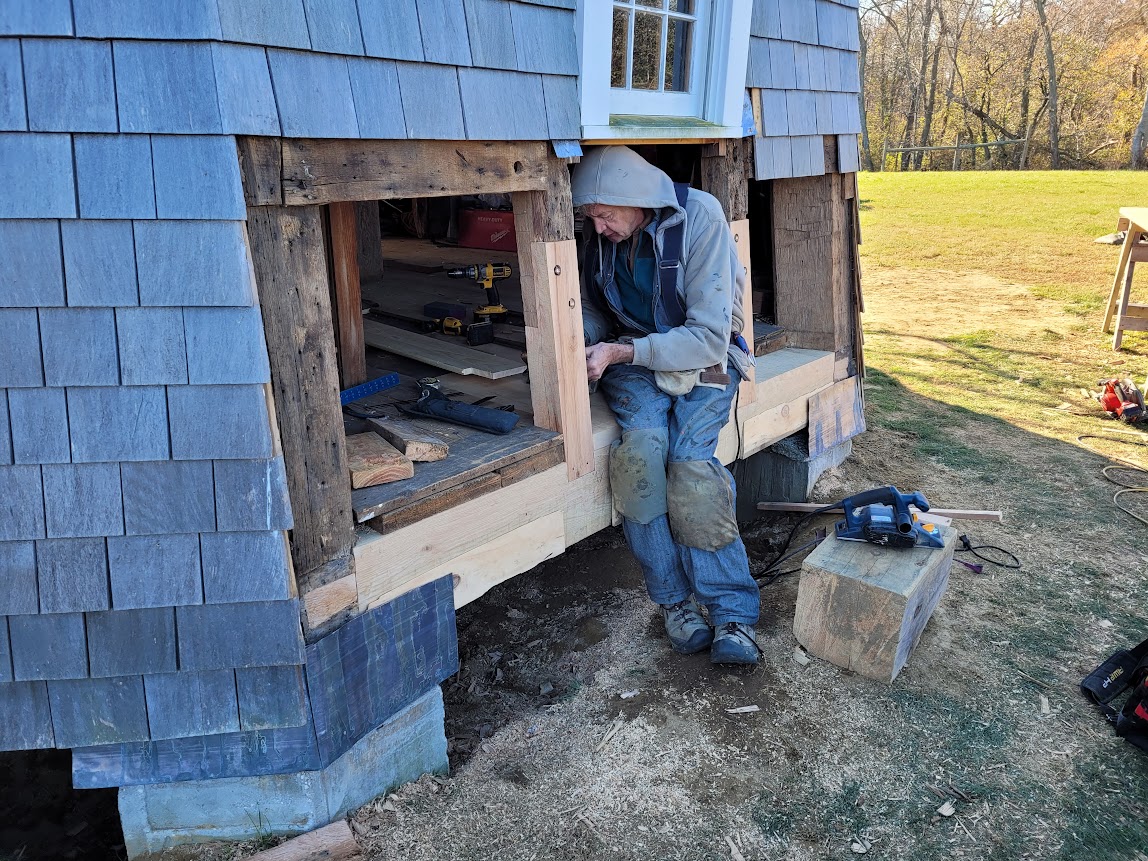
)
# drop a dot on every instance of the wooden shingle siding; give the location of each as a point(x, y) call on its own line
point(759, 72)
point(166, 88)
point(799, 21)
point(432, 106)
point(193, 263)
point(246, 97)
point(20, 363)
point(21, 503)
point(25, 716)
point(5, 658)
point(197, 177)
point(562, 117)
point(219, 422)
point(73, 575)
point(82, 500)
point(5, 450)
point(837, 26)
point(114, 176)
point(801, 110)
point(131, 642)
point(151, 344)
point(251, 495)
point(154, 571)
point(225, 345)
point(116, 423)
point(222, 636)
point(98, 711)
point(20, 595)
point(485, 96)
point(32, 274)
point(282, 23)
point(774, 113)
point(168, 497)
point(48, 646)
point(444, 34)
point(79, 347)
point(378, 103)
point(848, 157)
point(271, 697)
point(36, 18)
point(99, 263)
point(391, 29)
point(39, 181)
point(334, 26)
point(191, 703)
point(491, 33)
point(244, 566)
point(13, 117)
point(39, 426)
point(147, 19)
point(69, 85)
point(766, 19)
point(782, 65)
point(313, 92)
point(544, 40)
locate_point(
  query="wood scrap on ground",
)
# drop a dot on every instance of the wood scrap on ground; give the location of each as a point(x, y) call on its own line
point(333, 842)
point(954, 513)
point(372, 461)
point(416, 443)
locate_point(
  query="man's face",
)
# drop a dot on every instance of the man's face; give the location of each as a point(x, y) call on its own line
point(615, 222)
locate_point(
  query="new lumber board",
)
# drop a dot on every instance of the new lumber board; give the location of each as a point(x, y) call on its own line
point(954, 513)
point(440, 354)
point(373, 461)
point(835, 415)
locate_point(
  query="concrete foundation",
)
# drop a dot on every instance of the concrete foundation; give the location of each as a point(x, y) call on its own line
point(160, 816)
point(784, 472)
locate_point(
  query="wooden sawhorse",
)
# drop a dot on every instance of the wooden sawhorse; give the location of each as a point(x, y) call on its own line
point(1128, 316)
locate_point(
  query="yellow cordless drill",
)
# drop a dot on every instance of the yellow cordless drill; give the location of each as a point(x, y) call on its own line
point(486, 274)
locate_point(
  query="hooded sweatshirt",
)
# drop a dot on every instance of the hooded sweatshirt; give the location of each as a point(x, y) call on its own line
point(710, 279)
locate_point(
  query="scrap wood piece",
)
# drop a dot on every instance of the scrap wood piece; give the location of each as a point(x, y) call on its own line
point(414, 442)
point(372, 460)
point(835, 415)
point(954, 513)
point(333, 842)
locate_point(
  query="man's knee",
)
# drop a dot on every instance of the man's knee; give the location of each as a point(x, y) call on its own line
point(638, 474)
point(700, 504)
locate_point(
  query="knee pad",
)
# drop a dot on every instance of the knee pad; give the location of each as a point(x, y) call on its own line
point(638, 474)
point(700, 504)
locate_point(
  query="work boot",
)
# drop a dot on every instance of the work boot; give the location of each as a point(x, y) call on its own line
point(687, 628)
point(735, 643)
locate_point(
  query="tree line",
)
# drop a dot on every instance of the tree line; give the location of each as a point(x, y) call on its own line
point(1004, 84)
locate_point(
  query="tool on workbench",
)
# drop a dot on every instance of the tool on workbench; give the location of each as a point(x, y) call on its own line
point(882, 516)
point(433, 403)
point(476, 334)
point(486, 274)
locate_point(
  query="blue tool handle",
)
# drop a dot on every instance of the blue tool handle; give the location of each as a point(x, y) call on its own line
point(878, 495)
point(918, 499)
point(438, 406)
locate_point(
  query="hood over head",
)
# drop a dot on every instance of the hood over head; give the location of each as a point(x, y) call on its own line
point(618, 176)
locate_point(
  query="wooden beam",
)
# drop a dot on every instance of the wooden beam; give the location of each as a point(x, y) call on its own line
point(747, 391)
point(348, 294)
point(325, 171)
point(725, 175)
point(369, 232)
point(290, 266)
point(261, 166)
point(372, 461)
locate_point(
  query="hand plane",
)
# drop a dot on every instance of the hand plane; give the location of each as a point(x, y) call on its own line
point(882, 516)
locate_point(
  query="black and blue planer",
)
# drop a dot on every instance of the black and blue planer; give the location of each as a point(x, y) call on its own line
point(882, 516)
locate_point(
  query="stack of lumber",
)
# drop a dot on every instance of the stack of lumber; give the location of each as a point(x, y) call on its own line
point(372, 460)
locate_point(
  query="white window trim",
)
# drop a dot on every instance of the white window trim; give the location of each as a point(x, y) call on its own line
point(728, 56)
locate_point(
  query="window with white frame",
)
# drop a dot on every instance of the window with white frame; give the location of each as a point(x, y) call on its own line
point(657, 56)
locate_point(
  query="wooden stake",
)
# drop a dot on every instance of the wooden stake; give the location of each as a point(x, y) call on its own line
point(954, 513)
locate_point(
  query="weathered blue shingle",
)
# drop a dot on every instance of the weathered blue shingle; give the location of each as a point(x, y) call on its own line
point(378, 104)
point(98, 711)
point(192, 703)
point(25, 716)
point(197, 177)
point(73, 575)
point(5, 435)
point(152, 351)
point(5, 655)
point(837, 26)
point(131, 642)
point(313, 92)
point(18, 574)
point(846, 113)
point(432, 107)
point(391, 29)
point(801, 65)
point(225, 345)
point(799, 21)
point(154, 571)
point(245, 566)
point(20, 363)
point(69, 85)
point(817, 64)
point(114, 176)
point(50, 646)
point(193, 263)
point(79, 346)
point(774, 115)
point(39, 181)
point(766, 20)
point(251, 495)
point(563, 112)
point(848, 157)
point(485, 94)
point(215, 636)
point(32, 274)
point(39, 426)
point(99, 263)
point(334, 26)
point(491, 34)
point(850, 72)
point(36, 18)
point(21, 503)
point(118, 423)
point(443, 25)
point(246, 99)
point(265, 22)
point(166, 87)
point(83, 500)
point(824, 103)
point(271, 697)
point(773, 158)
point(13, 117)
point(168, 496)
point(219, 422)
point(808, 155)
point(147, 19)
point(758, 72)
point(801, 109)
point(782, 66)
point(544, 40)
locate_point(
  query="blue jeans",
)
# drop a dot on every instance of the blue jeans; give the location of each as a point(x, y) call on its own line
point(719, 579)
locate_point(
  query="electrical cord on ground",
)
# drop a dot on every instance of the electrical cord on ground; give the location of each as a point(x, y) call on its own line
point(1126, 465)
point(766, 577)
point(967, 546)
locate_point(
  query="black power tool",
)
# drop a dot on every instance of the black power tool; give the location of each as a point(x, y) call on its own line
point(882, 516)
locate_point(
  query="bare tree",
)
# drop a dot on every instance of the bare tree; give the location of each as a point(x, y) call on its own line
point(1053, 105)
point(1140, 138)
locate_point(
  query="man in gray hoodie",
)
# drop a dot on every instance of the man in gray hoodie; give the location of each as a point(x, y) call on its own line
point(662, 309)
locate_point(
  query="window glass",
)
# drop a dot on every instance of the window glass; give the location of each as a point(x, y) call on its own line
point(678, 55)
point(619, 50)
point(647, 51)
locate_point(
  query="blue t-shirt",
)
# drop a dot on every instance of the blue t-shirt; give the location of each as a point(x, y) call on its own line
point(636, 284)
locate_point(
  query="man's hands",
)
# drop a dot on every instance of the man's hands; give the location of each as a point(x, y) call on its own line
point(600, 356)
